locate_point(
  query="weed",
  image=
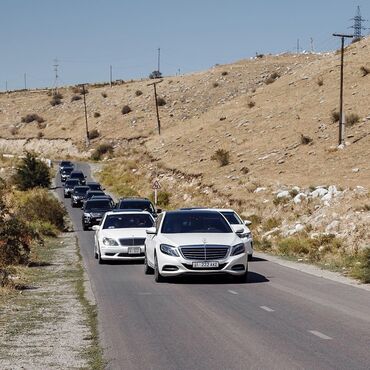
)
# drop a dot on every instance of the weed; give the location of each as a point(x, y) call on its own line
point(222, 157)
point(96, 115)
point(14, 130)
point(335, 116)
point(305, 140)
point(161, 101)
point(271, 223)
point(138, 92)
point(293, 192)
point(101, 150)
point(40, 135)
point(279, 201)
point(262, 244)
point(93, 134)
point(352, 118)
point(365, 71)
point(126, 109)
point(76, 97)
point(32, 117)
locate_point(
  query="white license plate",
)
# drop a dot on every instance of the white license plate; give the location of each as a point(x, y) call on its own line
point(204, 264)
point(134, 250)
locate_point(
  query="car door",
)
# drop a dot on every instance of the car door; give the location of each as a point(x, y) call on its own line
point(151, 241)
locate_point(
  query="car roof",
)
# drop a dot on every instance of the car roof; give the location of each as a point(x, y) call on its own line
point(81, 187)
point(134, 198)
point(192, 210)
point(128, 211)
point(96, 191)
point(92, 183)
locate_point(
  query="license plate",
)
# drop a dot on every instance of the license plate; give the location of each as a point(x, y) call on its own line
point(204, 264)
point(134, 250)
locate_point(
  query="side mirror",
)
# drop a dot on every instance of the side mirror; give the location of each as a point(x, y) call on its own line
point(95, 227)
point(151, 231)
point(247, 222)
point(159, 210)
point(239, 231)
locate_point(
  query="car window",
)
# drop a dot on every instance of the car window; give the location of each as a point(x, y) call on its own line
point(194, 222)
point(232, 218)
point(72, 182)
point(128, 221)
point(98, 204)
point(135, 204)
point(94, 186)
point(80, 190)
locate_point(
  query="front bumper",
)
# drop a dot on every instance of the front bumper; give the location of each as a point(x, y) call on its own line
point(120, 253)
point(175, 266)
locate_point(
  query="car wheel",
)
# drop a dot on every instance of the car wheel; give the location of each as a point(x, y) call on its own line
point(84, 227)
point(242, 278)
point(100, 260)
point(147, 269)
point(157, 275)
point(96, 255)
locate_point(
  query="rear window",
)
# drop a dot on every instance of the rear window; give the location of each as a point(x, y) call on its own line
point(94, 186)
point(232, 218)
point(136, 204)
point(80, 190)
point(98, 204)
point(67, 170)
point(94, 193)
point(65, 163)
point(77, 175)
point(72, 182)
point(194, 222)
point(128, 221)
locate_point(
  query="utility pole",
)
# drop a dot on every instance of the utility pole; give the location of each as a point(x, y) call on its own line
point(298, 48)
point(6, 86)
point(357, 25)
point(110, 76)
point(56, 65)
point(312, 48)
point(86, 124)
point(341, 111)
point(25, 81)
point(156, 104)
point(159, 59)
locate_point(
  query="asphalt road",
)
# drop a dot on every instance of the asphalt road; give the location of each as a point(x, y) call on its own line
point(281, 319)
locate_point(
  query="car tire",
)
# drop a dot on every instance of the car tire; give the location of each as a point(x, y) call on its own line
point(96, 255)
point(242, 278)
point(84, 227)
point(147, 269)
point(100, 260)
point(157, 275)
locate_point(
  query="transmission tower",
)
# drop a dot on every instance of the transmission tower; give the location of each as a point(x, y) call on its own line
point(56, 65)
point(357, 25)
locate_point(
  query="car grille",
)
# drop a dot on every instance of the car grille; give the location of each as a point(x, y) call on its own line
point(132, 241)
point(204, 252)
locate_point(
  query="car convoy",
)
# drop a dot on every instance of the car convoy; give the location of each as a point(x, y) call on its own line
point(194, 241)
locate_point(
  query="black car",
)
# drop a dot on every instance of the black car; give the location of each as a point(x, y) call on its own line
point(91, 193)
point(93, 212)
point(64, 164)
point(78, 195)
point(105, 196)
point(78, 175)
point(94, 185)
point(69, 185)
point(65, 172)
point(143, 204)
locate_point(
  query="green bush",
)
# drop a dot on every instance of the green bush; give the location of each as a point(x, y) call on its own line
point(31, 173)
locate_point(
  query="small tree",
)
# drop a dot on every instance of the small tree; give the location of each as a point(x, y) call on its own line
point(155, 74)
point(31, 173)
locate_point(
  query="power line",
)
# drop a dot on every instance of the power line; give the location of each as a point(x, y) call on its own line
point(357, 25)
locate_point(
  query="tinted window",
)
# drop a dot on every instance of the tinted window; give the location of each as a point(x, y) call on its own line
point(144, 205)
point(80, 190)
point(194, 222)
point(65, 163)
point(92, 193)
point(67, 170)
point(94, 186)
point(97, 204)
point(72, 183)
point(77, 175)
point(232, 218)
point(128, 221)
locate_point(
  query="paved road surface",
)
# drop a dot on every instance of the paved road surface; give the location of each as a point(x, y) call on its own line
point(280, 319)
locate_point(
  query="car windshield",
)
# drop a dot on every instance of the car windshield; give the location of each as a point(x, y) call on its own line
point(70, 183)
point(97, 204)
point(65, 163)
point(136, 204)
point(130, 220)
point(94, 186)
point(194, 222)
point(232, 218)
point(80, 190)
point(77, 175)
point(94, 193)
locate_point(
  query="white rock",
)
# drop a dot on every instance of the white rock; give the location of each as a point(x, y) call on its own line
point(296, 188)
point(283, 194)
point(319, 193)
point(298, 228)
point(299, 197)
point(332, 227)
point(258, 190)
point(355, 170)
point(269, 233)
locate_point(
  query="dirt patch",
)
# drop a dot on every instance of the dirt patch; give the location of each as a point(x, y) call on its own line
point(38, 328)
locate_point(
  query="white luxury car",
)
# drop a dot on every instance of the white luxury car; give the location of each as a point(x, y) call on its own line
point(236, 223)
point(121, 235)
point(194, 242)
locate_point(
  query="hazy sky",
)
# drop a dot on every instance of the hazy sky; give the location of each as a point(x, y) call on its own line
point(87, 36)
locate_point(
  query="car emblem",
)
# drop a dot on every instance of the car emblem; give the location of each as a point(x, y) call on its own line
point(204, 241)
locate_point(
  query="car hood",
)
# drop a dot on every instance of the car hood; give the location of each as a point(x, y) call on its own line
point(123, 233)
point(200, 239)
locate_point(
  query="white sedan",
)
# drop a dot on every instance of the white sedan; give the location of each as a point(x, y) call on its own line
point(194, 242)
point(121, 235)
point(236, 223)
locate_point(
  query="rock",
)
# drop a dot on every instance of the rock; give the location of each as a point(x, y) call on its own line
point(271, 232)
point(332, 227)
point(319, 193)
point(298, 228)
point(281, 161)
point(283, 194)
point(299, 197)
point(355, 170)
point(258, 190)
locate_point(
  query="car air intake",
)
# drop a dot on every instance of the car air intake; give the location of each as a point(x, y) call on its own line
point(132, 241)
point(204, 252)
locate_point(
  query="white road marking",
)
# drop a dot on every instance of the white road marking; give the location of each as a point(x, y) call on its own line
point(233, 292)
point(320, 335)
point(268, 309)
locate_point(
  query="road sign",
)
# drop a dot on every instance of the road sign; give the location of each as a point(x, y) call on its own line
point(156, 185)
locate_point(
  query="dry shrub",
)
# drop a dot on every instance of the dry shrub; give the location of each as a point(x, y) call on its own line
point(224, 73)
point(251, 104)
point(138, 92)
point(32, 117)
point(76, 97)
point(352, 118)
point(126, 109)
point(14, 130)
point(96, 115)
point(305, 140)
point(215, 84)
point(272, 78)
point(320, 81)
point(335, 116)
point(55, 101)
point(222, 156)
point(93, 134)
point(101, 150)
point(40, 135)
point(161, 102)
point(365, 71)
point(104, 94)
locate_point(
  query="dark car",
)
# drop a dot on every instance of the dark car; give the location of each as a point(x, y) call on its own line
point(69, 185)
point(143, 204)
point(91, 193)
point(78, 175)
point(93, 212)
point(94, 185)
point(105, 196)
point(64, 164)
point(65, 172)
point(78, 195)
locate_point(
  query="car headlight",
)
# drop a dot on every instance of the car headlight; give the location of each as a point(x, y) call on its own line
point(109, 242)
point(87, 215)
point(246, 235)
point(169, 250)
point(238, 249)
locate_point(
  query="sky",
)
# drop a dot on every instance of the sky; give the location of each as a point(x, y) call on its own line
point(89, 36)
